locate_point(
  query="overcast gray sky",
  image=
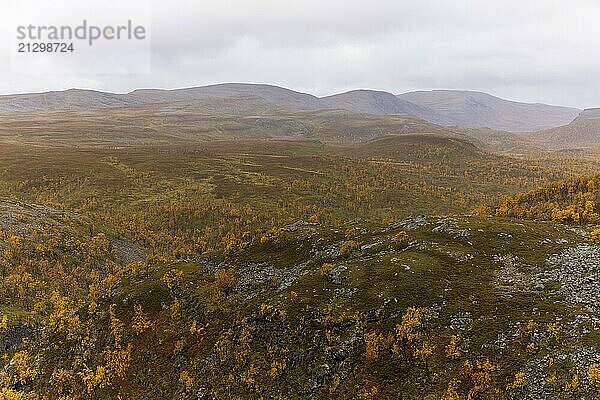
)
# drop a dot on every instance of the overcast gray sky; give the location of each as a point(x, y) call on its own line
point(527, 50)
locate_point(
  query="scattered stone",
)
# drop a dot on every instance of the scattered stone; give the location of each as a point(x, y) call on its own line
point(450, 227)
point(293, 227)
point(539, 287)
point(578, 271)
point(461, 321)
point(371, 245)
point(409, 224)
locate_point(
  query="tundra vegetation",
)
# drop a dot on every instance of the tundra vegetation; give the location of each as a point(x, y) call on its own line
point(399, 266)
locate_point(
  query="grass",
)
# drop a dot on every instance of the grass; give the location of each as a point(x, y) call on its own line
point(197, 206)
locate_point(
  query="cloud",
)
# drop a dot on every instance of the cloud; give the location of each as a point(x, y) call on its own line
point(526, 50)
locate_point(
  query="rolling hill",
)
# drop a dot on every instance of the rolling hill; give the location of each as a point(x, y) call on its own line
point(496, 141)
point(478, 110)
point(583, 132)
point(162, 124)
point(461, 108)
point(235, 98)
point(260, 97)
point(378, 103)
point(151, 250)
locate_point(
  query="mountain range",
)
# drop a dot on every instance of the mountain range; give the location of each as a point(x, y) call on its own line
point(479, 110)
point(443, 107)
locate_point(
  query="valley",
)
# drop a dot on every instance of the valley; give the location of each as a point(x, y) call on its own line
point(241, 242)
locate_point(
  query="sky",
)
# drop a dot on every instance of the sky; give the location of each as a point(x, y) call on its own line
point(525, 50)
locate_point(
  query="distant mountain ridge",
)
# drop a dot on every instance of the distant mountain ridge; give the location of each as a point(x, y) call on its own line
point(378, 103)
point(478, 110)
point(444, 107)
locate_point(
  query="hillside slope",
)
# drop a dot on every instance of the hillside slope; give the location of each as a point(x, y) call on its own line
point(289, 269)
point(575, 200)
point(481, 110)
point(583, 132)
point(183, 122)
point(163, 124)
point(416, 309)
point(379, 103)
point(250, 97)
point(468, 109)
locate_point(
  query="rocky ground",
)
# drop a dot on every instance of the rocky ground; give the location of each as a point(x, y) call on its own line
point(572, 278)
